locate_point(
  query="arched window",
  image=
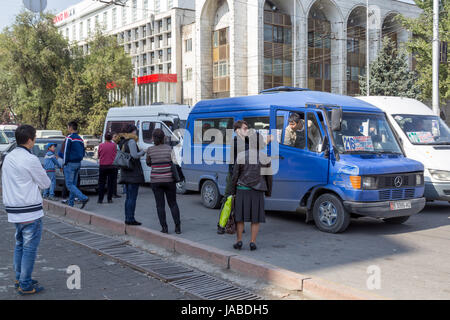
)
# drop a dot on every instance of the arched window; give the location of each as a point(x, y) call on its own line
point(277, 47)
point(356, 49)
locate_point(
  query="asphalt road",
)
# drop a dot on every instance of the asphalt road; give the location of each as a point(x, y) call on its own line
point(412, 259)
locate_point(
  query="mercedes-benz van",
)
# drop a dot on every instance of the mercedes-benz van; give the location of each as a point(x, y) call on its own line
point(346, 162)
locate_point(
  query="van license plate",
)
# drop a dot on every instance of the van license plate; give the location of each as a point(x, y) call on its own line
point(88, 182)
point(399, 205)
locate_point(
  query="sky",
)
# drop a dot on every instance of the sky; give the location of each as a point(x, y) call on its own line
point(10, 8)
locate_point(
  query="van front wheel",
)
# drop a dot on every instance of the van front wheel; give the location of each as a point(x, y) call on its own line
point(210, 195)
point(330, 215)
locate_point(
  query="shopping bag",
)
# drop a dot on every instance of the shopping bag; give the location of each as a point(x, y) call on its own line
point(226, 211)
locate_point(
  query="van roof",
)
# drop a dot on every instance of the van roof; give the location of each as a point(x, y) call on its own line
point(398, 105)
point(290, 99)
point(150, 110)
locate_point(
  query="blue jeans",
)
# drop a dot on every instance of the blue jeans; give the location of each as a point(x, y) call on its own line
point(71, 171)
point(130, 201)
point(28, 237)
point(51, 191)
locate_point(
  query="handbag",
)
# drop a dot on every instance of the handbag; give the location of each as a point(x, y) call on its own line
point(178, 175)
point(123, 160)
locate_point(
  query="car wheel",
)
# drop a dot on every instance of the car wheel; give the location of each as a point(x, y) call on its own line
point(396, 220)
point(330, 215)
point(210, 195)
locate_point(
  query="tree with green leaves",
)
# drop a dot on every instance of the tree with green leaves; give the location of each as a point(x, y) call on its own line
point(390, 74)
point(420, 45)
point(33, 56)
point(106, 62)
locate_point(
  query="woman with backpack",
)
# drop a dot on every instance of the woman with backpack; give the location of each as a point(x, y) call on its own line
point(159, 158)
point(133, 177)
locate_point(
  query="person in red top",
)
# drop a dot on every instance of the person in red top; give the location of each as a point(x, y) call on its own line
point(106, 154)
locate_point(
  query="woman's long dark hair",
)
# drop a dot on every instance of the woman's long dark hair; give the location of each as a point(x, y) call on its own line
point(158, 137)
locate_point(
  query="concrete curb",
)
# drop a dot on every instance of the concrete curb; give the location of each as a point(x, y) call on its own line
point(313, 286)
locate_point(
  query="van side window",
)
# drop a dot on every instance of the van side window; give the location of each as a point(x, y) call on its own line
point(259, 124)
point(294, 132)
point(147, 131)
point(203, 134)
point(315, 138)
point(118, 126)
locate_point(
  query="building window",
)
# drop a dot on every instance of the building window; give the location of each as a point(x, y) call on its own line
point(67, 33)
point(144, 31)
point(277, 48)
point(160, 26)
point(134, 14)
point(169, 4)
point(221, 58)
point(74, 32)
point(157, 6)
point(145, 12)
point(97, 22)
point(136, 33)
point(124, 15)
point(160, 68)
point(188, 74)
point(152, 57)
point(81, 31)
point(169, 54)
point(169, 23)
point(319, 50)
point(105, 20)
point(160, 54)
point(188, 45)
point(89, 27)
point(169, 68)
point(114, 18)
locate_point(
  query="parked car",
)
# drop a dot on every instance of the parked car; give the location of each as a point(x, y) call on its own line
point(5, 142)
point(425, 138)
point(10, 127)
point(90, 141)
point(338, 168)
point(5, 152)
point(48, 133)
point(89, 172)
point(11, 134)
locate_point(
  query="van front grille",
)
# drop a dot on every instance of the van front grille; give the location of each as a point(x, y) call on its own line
point(396, 194)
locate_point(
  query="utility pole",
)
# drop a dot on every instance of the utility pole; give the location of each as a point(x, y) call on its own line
point(367, 50)
point(436, 49)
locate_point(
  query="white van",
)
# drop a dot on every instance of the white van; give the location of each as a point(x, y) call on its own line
point(146, 119)
point(425, 138)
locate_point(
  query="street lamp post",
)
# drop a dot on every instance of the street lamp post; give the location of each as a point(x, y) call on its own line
point(436, 57)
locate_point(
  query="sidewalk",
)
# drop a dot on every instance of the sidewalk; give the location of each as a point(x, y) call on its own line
point(101, 278)
point(412, 257)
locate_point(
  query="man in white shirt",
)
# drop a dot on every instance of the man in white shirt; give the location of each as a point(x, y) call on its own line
point(22, 177)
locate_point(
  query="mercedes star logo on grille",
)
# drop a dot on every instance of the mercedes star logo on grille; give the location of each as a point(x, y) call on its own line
point(398, 181)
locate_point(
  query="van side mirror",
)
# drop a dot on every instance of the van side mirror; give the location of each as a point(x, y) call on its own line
point(336, 119)
point(325, 147)
point(443, 117)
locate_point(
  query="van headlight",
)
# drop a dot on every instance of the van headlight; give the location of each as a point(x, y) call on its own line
point(419, 179)
point(440, 174)
point(369, 183)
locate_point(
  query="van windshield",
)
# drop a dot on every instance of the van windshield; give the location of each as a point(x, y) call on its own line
point(424, 129)
point(365, 133)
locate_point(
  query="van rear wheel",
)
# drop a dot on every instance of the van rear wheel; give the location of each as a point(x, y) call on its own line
point(329, 214)
point(210, 195)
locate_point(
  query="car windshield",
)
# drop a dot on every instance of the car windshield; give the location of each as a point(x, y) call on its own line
point(365, 133)
point(88, 137)
point(424, 129)
point(40, 148)
point(3, 138)
point(11, 135)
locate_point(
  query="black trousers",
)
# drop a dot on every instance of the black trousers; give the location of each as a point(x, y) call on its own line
point(116, 173)
point(168, 189)
point(106, 174)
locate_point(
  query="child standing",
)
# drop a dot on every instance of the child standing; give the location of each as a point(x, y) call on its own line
point(50, 165)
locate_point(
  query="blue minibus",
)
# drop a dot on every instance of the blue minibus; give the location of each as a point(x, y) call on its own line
point(345, 162)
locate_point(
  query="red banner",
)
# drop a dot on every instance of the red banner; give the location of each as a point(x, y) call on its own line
point(152, 78)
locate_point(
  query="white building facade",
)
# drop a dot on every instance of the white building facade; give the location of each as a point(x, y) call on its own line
point(222, 48)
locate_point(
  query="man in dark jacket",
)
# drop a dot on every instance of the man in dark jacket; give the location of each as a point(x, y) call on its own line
point(73, 154)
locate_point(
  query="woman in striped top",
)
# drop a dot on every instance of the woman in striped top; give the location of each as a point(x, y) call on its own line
point(159, 158)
